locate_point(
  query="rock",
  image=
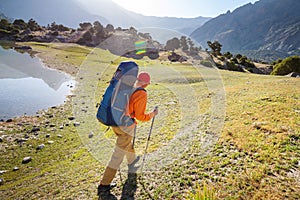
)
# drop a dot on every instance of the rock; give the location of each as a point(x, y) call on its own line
point(2, 171)
point(52, 125)
point(9, 120)
point(60, 136)
point(293, 74)
point(71, 118)
point(171, 103)
point(1, 181)
point(35, 129)
point(26, 160)
point(258, 125)
point(40, 147)
point(26, 32)
point(15, 168)
point(50, 142)
point(76, 124)
point(21, 140)
point(48, 135)
point(1, 139)
point(23, 48)
point(61, 127)
point(91, 134)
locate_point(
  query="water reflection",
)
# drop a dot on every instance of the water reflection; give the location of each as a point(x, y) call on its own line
point(27, 86)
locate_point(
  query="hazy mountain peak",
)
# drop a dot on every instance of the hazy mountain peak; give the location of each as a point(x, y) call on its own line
point(264, 25)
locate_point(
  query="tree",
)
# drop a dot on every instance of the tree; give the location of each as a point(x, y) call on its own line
point(109, 28)
point(145, 35)
point(133, 31)
point(98, 27)
point(215, 47)
point(191, 44)
point(183, 43)
point(20, 24)
point(62, 28)
point(288, 65)
point(4, 24)
point(56, 27)
point(85, 25)
point(228, 55)
point(173, 44)
point(33, 25)
point(238, 56)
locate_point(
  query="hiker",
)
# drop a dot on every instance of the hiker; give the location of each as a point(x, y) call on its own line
point(124, 143)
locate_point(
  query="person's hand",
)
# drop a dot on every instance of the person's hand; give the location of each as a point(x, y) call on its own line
point(155, 111)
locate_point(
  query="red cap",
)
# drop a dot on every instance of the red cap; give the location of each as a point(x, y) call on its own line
point(144, 76)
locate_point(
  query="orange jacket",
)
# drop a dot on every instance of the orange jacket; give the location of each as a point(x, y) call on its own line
point(137, 106)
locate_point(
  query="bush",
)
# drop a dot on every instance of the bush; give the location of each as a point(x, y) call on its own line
point(206, 63)
point(233, 67)
point(288, 65)
point(205, 193)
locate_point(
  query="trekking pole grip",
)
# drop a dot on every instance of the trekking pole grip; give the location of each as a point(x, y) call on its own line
point(155, 108)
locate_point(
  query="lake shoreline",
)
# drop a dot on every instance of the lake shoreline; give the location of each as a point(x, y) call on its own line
point(54, 64)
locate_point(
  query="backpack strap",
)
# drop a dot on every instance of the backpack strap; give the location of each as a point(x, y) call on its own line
point(137, 89)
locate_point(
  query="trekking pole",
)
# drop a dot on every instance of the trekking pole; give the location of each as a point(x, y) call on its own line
point(120, 175)
point(134, 134)
point(148, 141)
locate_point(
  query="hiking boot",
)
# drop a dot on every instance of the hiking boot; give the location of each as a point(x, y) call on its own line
point(107, 196)
point(105, 189)
point(131, 167)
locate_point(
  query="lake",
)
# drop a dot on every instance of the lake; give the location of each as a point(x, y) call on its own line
point(27, 86)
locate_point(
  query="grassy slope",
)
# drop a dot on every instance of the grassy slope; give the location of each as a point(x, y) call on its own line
point(255, 157)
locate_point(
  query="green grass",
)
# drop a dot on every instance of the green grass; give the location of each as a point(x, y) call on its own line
point(255, 154)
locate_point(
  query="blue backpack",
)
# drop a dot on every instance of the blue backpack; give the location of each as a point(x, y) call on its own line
point(111, 111)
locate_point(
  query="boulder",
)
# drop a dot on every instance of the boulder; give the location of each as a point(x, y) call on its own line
point(71, 118)
point(294, 74)
point(26, 160)
point(40, 147)
point(15, 168)
point(23, 48)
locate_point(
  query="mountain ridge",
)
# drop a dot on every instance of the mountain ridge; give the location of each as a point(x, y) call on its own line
point(107, 12)
point(264, 25)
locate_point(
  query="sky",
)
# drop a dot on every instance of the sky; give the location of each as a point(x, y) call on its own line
point(182, 8)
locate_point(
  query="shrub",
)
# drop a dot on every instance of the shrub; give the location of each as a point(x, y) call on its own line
point(233, 67)
point(206, 193)
point(4, 24)
point(288, 65)
point(222, 58)
point(206, 63)
point(20, 24)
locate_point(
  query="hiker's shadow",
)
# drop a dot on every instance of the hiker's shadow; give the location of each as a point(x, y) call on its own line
point(129, 187)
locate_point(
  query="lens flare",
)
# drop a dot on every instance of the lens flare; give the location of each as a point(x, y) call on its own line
point(140, 47)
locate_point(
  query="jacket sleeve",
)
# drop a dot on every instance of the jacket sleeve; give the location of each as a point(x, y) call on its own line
point(139, 106)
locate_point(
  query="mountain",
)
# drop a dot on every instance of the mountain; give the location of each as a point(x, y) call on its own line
point(266, 25)
point(2, 16)
point(71, 12)
point(67, 12)
point(119, 16)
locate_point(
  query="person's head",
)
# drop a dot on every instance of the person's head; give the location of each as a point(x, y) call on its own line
point(143, 79)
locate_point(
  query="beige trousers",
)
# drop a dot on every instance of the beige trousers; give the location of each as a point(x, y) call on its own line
point(122, 148)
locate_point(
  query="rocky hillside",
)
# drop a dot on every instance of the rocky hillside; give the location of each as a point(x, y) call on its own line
point(70, 13)
point(266, 25)
point(67, 12)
